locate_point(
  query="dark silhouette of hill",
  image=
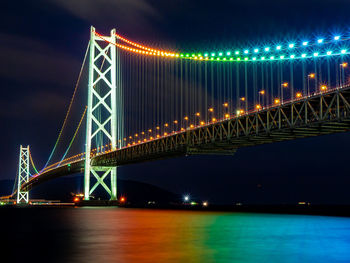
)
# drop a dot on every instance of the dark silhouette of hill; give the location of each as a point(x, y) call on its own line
point(63, 189)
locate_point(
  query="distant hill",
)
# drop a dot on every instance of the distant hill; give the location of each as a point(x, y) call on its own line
point(63, 188)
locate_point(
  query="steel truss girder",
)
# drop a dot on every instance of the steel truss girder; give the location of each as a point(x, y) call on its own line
point(23, 175)
point(316, 115)
point(106, 74)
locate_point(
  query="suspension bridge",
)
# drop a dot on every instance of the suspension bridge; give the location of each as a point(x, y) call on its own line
point(148, 103)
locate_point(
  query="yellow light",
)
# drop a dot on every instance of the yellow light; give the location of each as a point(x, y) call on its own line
point(225, 104)
point(191, 126)
point(157, 127)
point(324, 88)
point(344, 64)
point(165, 133)
point(166, 125)
point(241, 111)
point(262, 92)
point(258, 106)
point(198, 114)
point(242, 99)
point(285, 84)
point(227, 115)
point(213, 119)
point(186, 118)
point(202, 122)
point(182, 129)
point(129, 138)
point(298, 95)
point(151, 138)
point(136, 135)
point(211, 109)
point(175, 122)
point(158, 136)
point(311, 75)
point(145, 140)
point(150, 130)
point(142, 132)
point(277, 101)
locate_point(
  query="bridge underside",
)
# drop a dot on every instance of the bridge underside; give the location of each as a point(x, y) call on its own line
point(316, 115)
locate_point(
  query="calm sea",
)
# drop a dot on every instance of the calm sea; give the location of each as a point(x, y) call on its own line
point(120, 235)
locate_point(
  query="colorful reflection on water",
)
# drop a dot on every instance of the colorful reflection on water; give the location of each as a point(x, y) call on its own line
point(136, 235)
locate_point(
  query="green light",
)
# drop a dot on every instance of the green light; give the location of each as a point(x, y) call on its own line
point(254, 58)
point(224, 59)
point(205, 54)
point(238, 59)
point(181, 55)
point(193, 55)
point(231, 58)
point(246, 51)
point(237, 52)
point(187, 55)
point(212, 59)
point(262, 58)
point(228, 53)
point(245, 58)
point(199, 54)
point(282, 57)
point(218, 59)
point(220, 54)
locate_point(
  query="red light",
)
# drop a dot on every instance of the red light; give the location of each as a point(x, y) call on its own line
point(122, 199)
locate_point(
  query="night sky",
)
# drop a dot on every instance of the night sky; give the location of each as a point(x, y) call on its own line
point(42, 44)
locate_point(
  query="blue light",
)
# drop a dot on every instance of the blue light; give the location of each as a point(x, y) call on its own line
point(305, 43)
point(320, 40)
point(336, 37)
point(246, 51)
point(303, 55)
point(291, 45)
point(278, 47)
point(256, 50)
point(343, 51)
point(329, 53)
point(267, 49)
point(315, 54)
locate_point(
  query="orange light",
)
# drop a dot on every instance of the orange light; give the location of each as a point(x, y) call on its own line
point(191, 126)
point(202, 122)
point(344, 64)
point(242, 99)
point(227, 115)
point(198, 114)
point(165, 133)
point(298, 95)
point(166, 125)
point(151, 138)
point(277, 101)
point(225, 104)
point(149, 130)
point(311, 75)
point(213, 119)
point(136, 135)
point(130, 137)
point(211, 109)
point(285, 84)
point(142, 132)
point(262, 92)
point(158, 136)
point(157, 127)
point(324, 88)
point(186, 118)
point(76, 199)
point(122, 199)
point(175, 122)
point(258, 106)
point(182, 129)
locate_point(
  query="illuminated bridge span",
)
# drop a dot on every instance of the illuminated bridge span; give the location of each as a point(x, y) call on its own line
point(149, 103)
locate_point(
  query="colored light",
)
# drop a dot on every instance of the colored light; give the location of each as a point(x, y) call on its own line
point(242, 99)
point(281, 57)
point(246, 51)
point(211, 109)
point(254, 58)
point(291, 45)
point(228, 53)
point(186, 118)
point(238, 59)
point(278, 47)
point(220, 54)
point(225, 104)
point(277, 101)
point(262, 58)
point(336, 37)
point(258, 106)
point(224, 58)
point(299, 95)
point(186, 198)
point(256, 50)
point(303, 55)
point(237, 52)
point(205, 204)
point(315, 54)
point(323, 87)
point(272, 57)
point(292, 56)
point(344, 64)
point(202, 123)
point(305, 43)
point(198, 114)
point(311, 75)
point(262, 92)
point(246, 58)
point(213, 54)
point(267, 49)
point(329, 53)
point(227, 115)
point(122, 199)
point(213, 119)
point(343, 51)
point(218, 59)
point(285, 84)
point(205, 54)
point(187, 55)
point(320, 40)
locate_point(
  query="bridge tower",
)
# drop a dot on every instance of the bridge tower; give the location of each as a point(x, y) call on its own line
point(102, 126)
point(23, 174)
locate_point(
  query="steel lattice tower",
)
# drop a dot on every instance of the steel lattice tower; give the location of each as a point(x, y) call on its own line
point(23, 174)
point(102, 97)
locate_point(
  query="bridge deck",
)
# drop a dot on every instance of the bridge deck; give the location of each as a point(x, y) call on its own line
point(319, 114)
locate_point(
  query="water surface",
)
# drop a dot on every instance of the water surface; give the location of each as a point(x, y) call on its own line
point(120, 235)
